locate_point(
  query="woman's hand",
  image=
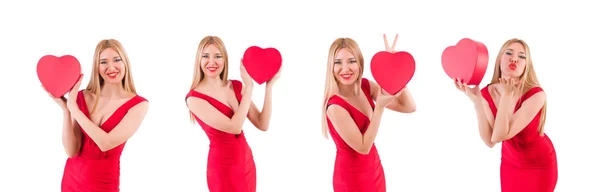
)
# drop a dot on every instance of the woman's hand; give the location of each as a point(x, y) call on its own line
point(472, 92)
point(61, 101)
point(248, 81)
point(387, 47)
point(384, 98)
point(72, 102)
point(272, 81)
point(509, 87)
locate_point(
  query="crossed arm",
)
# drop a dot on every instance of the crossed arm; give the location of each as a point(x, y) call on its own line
point(507, 123)
point(247, 109)
point(121, 133)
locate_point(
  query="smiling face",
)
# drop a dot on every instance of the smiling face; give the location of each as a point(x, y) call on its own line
point(212, 61)
point(346, 69)
point(513, 61)
point(111, 66)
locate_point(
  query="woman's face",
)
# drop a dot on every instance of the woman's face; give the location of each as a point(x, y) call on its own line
point(212, 61)
point(111, 68)
point(345, 67)
point(513, 61)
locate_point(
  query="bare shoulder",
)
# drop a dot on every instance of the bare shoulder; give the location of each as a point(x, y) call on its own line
point(373, 87)
point(539, 96)
point(88, 96)
point(141, 107)
point(336, 110)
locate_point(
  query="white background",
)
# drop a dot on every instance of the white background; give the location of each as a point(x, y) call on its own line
point(437, 148)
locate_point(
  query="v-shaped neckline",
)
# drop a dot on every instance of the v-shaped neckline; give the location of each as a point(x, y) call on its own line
point(111, 115)
point(212, 98)
point(356, 108)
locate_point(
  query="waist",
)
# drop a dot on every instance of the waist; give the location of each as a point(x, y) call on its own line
point(355, 161)
point(93, 172)
point(528, 155)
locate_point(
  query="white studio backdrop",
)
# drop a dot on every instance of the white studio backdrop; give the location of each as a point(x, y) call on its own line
point(437, 148)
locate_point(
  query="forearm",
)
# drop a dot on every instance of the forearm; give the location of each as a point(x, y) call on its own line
point(265, 114)
point(501, 124)
point(71, 138)
point(242, 112)
point(371, 133)
point(97, 135)
point(485, 129)
point(406, 100)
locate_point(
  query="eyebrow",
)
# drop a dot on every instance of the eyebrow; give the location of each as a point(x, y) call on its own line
point(514, 50)
point(113, 58)
point(209, 53)
point(348, 58)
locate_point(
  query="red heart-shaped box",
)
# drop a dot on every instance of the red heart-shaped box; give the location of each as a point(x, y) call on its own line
point(58, 75)
point(392, 71)
point(467, 60)
point(262, 64)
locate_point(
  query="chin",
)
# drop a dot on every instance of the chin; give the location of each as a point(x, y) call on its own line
point(347, 82)
point(211, 75)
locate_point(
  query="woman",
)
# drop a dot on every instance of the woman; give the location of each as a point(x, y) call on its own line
point(221, 106)
point(99, 120)
point(352, 118)
point(512, 110)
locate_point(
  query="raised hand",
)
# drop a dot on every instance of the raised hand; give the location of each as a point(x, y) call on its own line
point(275, 78)
point(248, 82)
point(509, 86)
point(387, 46)
point(72, 102)
point(472, 92)
point(61, 101)
point(384, 98)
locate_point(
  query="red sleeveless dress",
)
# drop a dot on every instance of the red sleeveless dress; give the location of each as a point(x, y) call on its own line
point(92, 170)
point(231, 165)
point(528, 159)
point(355, 172)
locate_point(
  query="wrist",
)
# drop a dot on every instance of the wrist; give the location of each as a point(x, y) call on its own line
point(268, 87)
point(476, 98)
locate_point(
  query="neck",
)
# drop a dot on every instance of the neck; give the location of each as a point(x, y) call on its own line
point(506, 76)
point(112, 90)
point(347, 90)
point(213, 81)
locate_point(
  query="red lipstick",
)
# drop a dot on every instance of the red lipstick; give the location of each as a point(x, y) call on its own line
point(112, 75)
point(346, 76)
point(212, 69)
point(512, 66)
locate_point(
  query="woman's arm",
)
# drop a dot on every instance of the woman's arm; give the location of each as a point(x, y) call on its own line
point(403, 104)
point(214, 118)
point(509, 124)
point(261, 119)
point(71, 135)
point(345, 127)
point(123, 131)
point(485, 126)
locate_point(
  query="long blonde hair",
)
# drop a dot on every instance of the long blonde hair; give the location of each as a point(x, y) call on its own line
point(331, 83)
point(529, 76)
point(198, 73)
point(96, 82)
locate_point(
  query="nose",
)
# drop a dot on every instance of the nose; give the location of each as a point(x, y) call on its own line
point(514, 58)
point(112, 65)
point(345, 66)
point(211, 61)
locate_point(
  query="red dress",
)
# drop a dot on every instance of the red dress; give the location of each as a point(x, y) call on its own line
point(528, 159)
point(355, 172)
point(92, 170)
point(230, 162)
